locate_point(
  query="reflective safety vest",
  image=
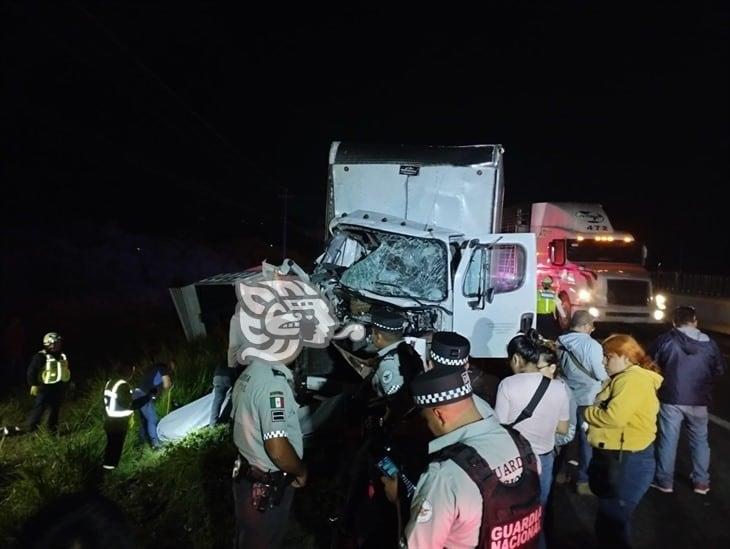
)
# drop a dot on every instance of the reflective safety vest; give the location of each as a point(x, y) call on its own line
point(117, 399)
point(511, 513)
point(55, 370)
point(545, 302)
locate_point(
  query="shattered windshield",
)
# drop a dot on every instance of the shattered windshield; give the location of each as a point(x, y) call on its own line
point(401, 266)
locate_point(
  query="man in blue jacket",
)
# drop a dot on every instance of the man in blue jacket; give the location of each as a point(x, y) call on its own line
point(690, 362)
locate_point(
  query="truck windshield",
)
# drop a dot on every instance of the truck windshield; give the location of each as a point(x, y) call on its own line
point(586, 251)
point(401, 266)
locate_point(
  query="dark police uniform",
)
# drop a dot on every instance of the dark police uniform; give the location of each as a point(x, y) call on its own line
point(453, 508)
point(263, 408)
point(118, 408)
point(48, 374)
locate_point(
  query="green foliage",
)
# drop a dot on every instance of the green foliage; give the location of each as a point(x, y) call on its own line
point(177, 497)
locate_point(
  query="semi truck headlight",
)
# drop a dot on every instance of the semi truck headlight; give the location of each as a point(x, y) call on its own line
point(661, 301)
point(595, 313)
point(658, 315)
point(584, 296)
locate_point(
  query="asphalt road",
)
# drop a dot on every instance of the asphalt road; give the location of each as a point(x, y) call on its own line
point(679, 520)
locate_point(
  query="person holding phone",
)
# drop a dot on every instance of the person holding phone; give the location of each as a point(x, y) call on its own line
point(482, 479)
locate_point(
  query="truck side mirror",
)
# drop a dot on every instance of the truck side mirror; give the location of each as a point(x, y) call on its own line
point(490, 295)
point(556, 252)
point(644, 254)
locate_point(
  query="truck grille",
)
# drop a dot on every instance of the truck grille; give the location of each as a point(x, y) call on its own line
point(627, 292)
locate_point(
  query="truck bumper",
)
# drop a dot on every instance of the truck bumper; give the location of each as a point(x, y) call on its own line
point(628, 315)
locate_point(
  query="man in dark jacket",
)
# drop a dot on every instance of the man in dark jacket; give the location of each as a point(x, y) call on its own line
point(48, 375)
point(690, 362)
point(155, 379)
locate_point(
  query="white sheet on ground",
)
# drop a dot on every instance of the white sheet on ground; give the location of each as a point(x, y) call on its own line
point(196, 415)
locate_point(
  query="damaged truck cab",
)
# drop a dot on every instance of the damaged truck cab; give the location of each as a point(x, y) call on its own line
point(414, 229)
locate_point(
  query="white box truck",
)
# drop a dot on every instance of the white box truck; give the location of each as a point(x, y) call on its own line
point(417, 229)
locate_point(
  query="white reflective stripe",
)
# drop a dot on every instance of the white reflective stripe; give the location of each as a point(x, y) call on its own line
point(275, 434)
point(111, 407)
point(122, 413)
point(108, 466)
point(117, 384)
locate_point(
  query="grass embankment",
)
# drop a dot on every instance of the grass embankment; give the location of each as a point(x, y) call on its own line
point(179, 497)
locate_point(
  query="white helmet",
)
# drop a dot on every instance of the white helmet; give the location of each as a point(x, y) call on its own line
point(50, 338)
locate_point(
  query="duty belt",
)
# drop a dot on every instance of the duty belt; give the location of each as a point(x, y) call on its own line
point(254, 474)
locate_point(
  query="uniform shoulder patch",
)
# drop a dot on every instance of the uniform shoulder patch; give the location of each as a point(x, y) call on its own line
point(277, 373)
point(425, 511)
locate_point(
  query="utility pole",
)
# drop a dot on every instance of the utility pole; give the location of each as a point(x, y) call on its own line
point(285, 196)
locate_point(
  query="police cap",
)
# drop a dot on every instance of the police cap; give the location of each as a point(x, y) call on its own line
point(440, 386)
point(449, 348)
point(387, 321)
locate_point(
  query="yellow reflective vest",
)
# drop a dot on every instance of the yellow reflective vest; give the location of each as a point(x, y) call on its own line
point(55, 370)
point(545, 302)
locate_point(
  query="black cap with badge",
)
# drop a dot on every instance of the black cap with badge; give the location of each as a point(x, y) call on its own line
point(440, 386)
point(449, 349)
point(387, 321)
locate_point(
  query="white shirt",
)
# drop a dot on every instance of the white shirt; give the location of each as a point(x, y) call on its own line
point(513, 395)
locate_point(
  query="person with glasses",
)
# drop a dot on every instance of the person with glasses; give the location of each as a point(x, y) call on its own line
point(622, 428)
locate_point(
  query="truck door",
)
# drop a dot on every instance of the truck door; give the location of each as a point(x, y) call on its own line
point(495, 291)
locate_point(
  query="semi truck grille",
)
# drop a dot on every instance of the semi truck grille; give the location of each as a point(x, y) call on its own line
point(627, 292)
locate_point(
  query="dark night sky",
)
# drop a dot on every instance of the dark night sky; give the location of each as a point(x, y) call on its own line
point(157, 121)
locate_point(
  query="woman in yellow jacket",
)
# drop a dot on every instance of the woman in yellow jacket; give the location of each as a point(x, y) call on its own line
point(621, 429)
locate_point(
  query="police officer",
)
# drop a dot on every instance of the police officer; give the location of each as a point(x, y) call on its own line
point(452, 349)
point(48, 375)
point(387, 334)
point(268, 436)
point(549, 310)
point(481, 485)
point(118, 406)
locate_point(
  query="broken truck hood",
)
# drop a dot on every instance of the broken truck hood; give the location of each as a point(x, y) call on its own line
point(407, 268)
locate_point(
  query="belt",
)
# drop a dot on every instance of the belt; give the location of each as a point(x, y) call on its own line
point(254, 474)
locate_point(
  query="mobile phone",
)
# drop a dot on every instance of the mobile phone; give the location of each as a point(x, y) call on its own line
point(388, 467)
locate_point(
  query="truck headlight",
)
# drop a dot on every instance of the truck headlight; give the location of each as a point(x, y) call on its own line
point(658, 315)
point(585, 296)
point(595, 313)
point(661, 301)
